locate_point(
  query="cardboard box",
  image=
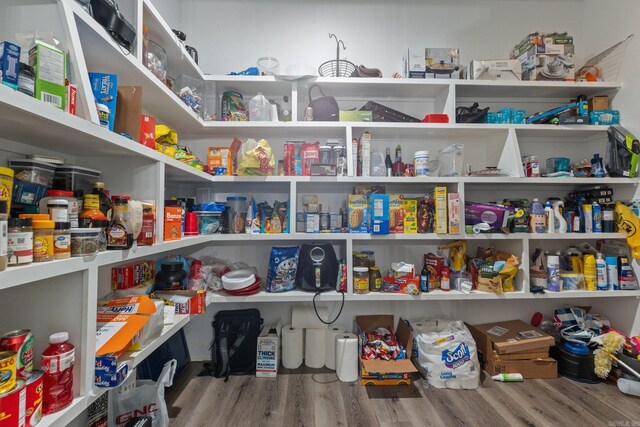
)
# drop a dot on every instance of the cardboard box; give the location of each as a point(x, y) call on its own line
point(147, 131)
point(535, 368)
point(9, 64)
point(554, 64)
point(385, 372)
point(401, 285)
point(186, 302)
point(509, 337)
point(49, 66)
point(454, 213)
point(358, 214)
point(364, 155)
point(116, 333)
point(396, 213)
point(415, 63)
point(312, 223)
point(129, 111)
point(598, 103)
point(268, 352)
point(172, 223)
point(438, 59)
point(105, 92)
point(109, 373)
point(356, 116)
point(498, 69)
point(410, 207)
point(379, 213)
point(72, 99)
point(369, 189)
point(129, 276)
point(442, 219)
point(220, 157)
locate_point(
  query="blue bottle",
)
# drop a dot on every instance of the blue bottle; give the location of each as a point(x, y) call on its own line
point(597, 217)
point(597, 170)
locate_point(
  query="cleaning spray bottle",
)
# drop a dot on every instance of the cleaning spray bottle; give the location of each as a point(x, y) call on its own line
point(601, 273)
point(560, 222)
point(597, 217)
point(587, 218)
point(549, 218)
point(536, 220)
point(590, 273)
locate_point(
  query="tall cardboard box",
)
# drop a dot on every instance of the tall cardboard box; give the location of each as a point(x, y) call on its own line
point(49, 65)
point(268, 352)
point(129, 111)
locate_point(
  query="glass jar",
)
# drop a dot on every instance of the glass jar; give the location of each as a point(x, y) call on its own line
point(62, 240)
point(20, 242)
point(103, 226)
point(58, 210)
point(371, 259)
point(118, 235)
point(360, 260)
point(360, 280)
point(147, 232)
point(43, 241)
point(4, 235)
point(375, 279)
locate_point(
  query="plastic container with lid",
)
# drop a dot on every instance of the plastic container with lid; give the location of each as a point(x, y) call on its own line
point(58, 210)
point(421, 163)
point(57, 362)
point(62, 240)
point(35, 216)
point(6, 186)
point(360, 259)
point(171, 276)
point(237, 213)
point(72, 178)
point(360, 280)
point(33, 171)
point(20, 241)
point(4, 236)
point(84, 241)
point(73, 209)
point(43, 240)
point(371, 259)
point(326, 154)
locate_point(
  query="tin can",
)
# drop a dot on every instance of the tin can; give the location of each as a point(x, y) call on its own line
point(20, 341)
point(12, 405)
point(7, 371)
point(35, 388)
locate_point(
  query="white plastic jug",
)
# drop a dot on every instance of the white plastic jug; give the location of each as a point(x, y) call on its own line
point(259, 109)
point(378, 167)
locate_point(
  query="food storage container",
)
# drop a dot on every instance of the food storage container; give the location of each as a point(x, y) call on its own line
point(450, 159)
point(84, 241)
point(72, 178)
point(155, 59)
point(191, 91)
point(209, 222)
point(33, 171)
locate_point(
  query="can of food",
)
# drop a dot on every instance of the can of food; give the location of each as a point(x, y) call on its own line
point(12, 405)
point(7, 370)
point(34, 398)
point(21, 342)
point(6, 185)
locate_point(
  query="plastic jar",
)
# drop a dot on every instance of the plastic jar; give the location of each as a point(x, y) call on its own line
point(4, 235)
point(73, 205)
point(360, 280)
point(62, 240)
point(6, 185)
point(326, 154)
point(58, 210)
point(84, 241)
point(43, 241)
point(375, 279)
point(421, 163)
point(171, 276)
point(20, 242)
point(102, 225)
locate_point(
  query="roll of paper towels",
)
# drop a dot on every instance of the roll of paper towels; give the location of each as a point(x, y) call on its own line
point(305, 317)
point(330, 346)
point(292, 347)
point(347, 357)
point(314, 347)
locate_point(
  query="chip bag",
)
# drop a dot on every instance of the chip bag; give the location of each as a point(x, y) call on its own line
point(628, 222)
point(256, 158)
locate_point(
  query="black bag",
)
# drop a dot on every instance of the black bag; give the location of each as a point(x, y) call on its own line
point(471, 114)
point(235, 340)
point(325, 109)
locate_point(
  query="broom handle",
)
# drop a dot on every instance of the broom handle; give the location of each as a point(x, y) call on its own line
point(624, 365)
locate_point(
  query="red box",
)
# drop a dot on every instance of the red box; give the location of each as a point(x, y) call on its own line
point(186, 302)
point(436, 118)
point(129, 276)
point(72, 96)
point(148, 131)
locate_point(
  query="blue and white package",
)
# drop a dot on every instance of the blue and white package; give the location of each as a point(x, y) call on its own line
point(105, 91)
point(283, 264)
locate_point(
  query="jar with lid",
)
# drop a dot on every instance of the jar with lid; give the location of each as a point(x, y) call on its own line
point(103, 226)
point(73, 209)
point(62, 240)
point(375, 279)
point(20, 241)
point(371, 259)
point(360, 280)
point(4, 235)
point(421, 163)
point(171, 276)
point(84, 241)
point(325, 153)
point(118, 235)
point(58, 210)
point(360, 259)
point(147, 232)
point(91, 207)
point(43, 241)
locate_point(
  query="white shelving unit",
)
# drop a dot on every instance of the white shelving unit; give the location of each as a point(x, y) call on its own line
point(63, 294)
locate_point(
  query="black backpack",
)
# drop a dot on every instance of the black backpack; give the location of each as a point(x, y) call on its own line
point(235, 340)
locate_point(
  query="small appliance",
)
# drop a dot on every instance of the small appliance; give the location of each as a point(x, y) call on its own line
point(106, 13)
point(317, 268)
point(621, 157)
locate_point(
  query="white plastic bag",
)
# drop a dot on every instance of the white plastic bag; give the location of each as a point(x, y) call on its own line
point(447, 352)
point(141, 398)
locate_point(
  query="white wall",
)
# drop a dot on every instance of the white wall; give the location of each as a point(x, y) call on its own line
point(171, 11)
point(231, 35)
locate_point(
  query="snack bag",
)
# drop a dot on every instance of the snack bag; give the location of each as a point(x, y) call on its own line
point(256, 158)
point(283, 265)
point(509, 271)
point(628, 221)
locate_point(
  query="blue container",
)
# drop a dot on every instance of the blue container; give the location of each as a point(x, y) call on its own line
point(9, 64)
point(105, 91)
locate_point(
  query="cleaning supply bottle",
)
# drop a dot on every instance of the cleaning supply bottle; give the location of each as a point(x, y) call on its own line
point(549, 218)
point(560, 222)
point(626, 278)
point(587, 218)
point(601, 273)
point(597, 170)
point(590, 273)
point(597, 217)
point(536, 218)
point(508, 378)
point(612, 272)
point(553, 273)
point(259, 109)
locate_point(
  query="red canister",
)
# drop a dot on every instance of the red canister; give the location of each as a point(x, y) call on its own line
point(20, 341)
point(34, 399)
point(12, 405)
point(289, 159)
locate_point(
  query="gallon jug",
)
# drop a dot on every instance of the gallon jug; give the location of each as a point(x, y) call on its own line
point(378, 167)
point(57, 363)
point(259, 109)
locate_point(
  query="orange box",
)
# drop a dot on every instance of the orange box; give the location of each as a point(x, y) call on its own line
point(185, 302)
point(220, 157)
point(172, 223)
point(148, 131)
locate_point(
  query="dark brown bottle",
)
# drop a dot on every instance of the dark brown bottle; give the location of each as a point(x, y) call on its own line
point(105, 202)
point(398, 166)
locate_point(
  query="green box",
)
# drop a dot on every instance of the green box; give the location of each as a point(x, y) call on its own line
point(49, 66)
point(356, 116)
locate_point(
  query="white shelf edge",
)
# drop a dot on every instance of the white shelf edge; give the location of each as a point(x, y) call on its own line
point(66, 415)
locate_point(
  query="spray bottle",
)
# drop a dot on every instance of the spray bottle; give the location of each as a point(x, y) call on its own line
point(612, 272)
point(560, 222)
point(536, 221)
point(590, 273)
point(597, 217)
point(553, 273)
point(549, 217)
point(587, 218)
point(601, 273)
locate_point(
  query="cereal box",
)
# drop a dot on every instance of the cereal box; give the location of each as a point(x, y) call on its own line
point(454, 213)
point(396, 213)
point(172, 223)
point(379, 214)
point(442, 220)
point(220, 157)
point(105, 92)
point(358, 214)
point(410, 207)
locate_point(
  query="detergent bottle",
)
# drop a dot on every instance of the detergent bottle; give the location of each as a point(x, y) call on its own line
point(549, 218)
point(590, 272)
point(536, 218)
point(597, 217)
point(560, 221)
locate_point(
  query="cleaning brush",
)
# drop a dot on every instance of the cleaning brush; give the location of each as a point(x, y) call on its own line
point(611, 344)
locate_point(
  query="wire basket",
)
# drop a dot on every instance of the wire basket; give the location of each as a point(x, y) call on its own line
point(337, 68)
point(607, 64)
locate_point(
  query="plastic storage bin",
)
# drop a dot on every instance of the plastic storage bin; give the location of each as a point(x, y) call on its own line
point(32, 171)
point(191, 91)
point(450, 159)
point(72, 178)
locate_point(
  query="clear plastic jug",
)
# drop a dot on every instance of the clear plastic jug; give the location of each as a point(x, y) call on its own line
point(259, 109)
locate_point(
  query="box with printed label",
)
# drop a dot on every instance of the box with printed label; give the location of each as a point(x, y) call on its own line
point(105, 93)
point(268, 352)
point(148, 131)
point(499, 69)
point(172, 223)
point(396, 213)
point(454, 213)
point(9, 64)
point(185, 302)
point(358, 214)
point(49, 66)
point(379, 214)
point(442, 220)
point(410, 207)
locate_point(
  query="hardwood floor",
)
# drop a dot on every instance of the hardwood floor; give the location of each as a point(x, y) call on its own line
point(315, 397)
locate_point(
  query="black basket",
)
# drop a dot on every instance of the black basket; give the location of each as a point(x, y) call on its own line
point(386, 114)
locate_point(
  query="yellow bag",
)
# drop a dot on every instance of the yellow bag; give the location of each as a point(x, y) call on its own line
point(256, 158)
point(165, 135)
point(628, 222)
